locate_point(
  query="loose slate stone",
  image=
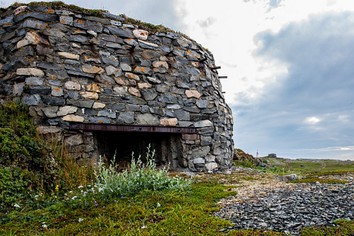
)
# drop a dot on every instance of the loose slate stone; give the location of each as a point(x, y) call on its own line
point(69, 55)
point(147, 119)
point(31, 100)
point(7, 21)
point(108, 113)
point(73, 118)
point(203, 123)
point(92, 69)
point(34, 24)
point(65, 110)
point(66, 20)
point(34, 81)
point(30, 71)
point(120, 32)
point(36, 15)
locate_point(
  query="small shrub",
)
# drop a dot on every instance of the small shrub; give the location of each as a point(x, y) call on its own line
point(13, 187)
point(113, 184)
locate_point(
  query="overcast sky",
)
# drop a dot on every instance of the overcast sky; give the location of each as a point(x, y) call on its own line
point(290, 66)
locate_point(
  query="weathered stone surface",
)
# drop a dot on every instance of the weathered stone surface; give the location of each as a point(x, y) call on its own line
point(193, 93)
point(120, 32)
point(48, 129)
point(149, 94)
point(94, 87)
point(142, 70)
point(203, 123)
point(31, 100)
point(141, 34)
point(89, 95)
point(125, 67)
point(144, 85)
point(31, 38)
point(34, 81)
point(126, 117)
point(132, 76)
point(202, 103)
point(134, 91)
point(98, 105)
point(211, 166)
point(74, 140)
point(110, 60)
point(69, 55)
point(92, 69)
point(30, 72)
point(201, 151)
point(34, 24)
point(50, 112)
point(71, 85)
point(153, 80)
point(65, 110)
point(147, 119)
point(160, 64)
point(73, 118)
point(168, 121)
point(108, 113)
point(57, 92)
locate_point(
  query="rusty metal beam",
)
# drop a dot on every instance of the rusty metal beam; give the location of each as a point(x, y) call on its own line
point(131, 128)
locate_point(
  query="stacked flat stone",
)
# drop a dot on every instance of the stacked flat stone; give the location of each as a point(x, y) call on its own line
point(74, 67)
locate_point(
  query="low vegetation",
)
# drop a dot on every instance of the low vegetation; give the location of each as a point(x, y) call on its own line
point(72, 199)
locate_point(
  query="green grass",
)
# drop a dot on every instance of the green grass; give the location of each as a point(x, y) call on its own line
point(148, 213)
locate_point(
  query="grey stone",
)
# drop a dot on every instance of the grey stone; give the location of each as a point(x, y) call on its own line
point(99, 120)
point(41, 90)
point(203, 123)
point(120, 32)
point(147, 119)
point(182, 115)
point(206, 140)
point(34, 81)
point(168, 98)
point(31, 100)
point(199, 161)
point(108, 113)
point(202, 103)
point(149, 94)
point(50, 112)
point(53, 101)
point(79, 39)
point(105, 79)
point(36, 15)
point(34, 24)
point(110, 60)
point(201, 151)
point(126, 117)
point(81, 74)
point(74, 140)
point(7, 22)
point(18, 89)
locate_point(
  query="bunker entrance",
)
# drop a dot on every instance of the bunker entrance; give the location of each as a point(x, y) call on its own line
point(120, 141)
point(167, 148)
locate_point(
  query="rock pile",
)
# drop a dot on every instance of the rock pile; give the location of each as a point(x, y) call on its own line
point(72, 66)
point(290, 209)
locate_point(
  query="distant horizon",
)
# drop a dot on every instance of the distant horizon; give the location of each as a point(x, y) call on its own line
point(288, 62)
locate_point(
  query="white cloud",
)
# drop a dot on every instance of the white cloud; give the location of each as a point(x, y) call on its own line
point(312, 120)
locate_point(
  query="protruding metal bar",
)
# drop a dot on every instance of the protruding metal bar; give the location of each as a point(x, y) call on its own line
point(215, 67)
point(131, 128)
point(222, 77)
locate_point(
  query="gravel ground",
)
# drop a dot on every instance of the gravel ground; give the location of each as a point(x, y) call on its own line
point(275, 205)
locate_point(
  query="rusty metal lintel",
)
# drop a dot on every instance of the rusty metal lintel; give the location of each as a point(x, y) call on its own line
point(131, 128)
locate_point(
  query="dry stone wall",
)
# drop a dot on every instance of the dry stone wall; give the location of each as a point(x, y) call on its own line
point(69, 66)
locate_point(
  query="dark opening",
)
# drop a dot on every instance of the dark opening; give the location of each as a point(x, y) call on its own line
point(167, 147)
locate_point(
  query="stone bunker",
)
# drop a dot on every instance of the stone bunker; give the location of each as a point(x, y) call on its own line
point(107, 84)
